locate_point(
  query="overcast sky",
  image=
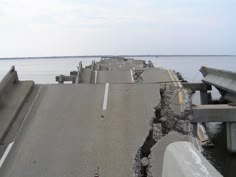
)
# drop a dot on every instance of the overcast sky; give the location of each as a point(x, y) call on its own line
point(89, 27)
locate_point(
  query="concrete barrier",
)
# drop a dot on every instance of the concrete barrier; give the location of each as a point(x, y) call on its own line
point(182, 159)
point(85, 75)
point(9, 79)
point(13, 94)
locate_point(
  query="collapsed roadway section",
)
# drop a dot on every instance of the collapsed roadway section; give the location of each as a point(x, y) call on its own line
point(115, 118)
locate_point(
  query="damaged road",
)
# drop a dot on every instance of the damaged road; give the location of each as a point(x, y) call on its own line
point(67, 130)
point(165, 121)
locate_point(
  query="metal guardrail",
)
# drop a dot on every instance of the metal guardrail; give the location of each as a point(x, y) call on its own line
point(9, 79)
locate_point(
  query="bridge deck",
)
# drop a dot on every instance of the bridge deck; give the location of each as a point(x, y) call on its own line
point(70, 130)
point(67, 131)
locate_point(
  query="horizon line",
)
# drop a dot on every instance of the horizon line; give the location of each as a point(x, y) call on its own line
point(111, 56)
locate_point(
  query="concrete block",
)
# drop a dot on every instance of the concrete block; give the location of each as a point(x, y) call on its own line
point(221, 79)
point(159, 149)
point(182, 159)
point(85, 76)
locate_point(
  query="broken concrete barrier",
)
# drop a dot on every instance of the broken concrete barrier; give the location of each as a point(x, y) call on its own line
point(182, 159)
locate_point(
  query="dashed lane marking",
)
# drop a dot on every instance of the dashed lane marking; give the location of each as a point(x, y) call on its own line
point(6, 153)
point(105, 96)
point(96, 75)
point(131, 75)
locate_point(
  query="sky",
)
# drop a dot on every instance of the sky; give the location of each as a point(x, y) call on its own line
point(116, 27)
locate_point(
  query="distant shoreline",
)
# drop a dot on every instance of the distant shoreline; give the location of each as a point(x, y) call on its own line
point(106, 56)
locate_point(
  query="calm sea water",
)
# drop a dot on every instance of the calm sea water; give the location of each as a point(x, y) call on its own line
point(44, 71)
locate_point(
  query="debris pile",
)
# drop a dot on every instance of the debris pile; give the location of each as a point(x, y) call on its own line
point(138, 75)
point(165, 120)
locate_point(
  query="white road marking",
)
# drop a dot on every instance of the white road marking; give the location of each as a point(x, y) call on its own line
point(6, 153)
point(131, 75)
point(96, 75)
point(105, 96)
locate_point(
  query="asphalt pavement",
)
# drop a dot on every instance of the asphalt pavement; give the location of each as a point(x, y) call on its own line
point(76, 129)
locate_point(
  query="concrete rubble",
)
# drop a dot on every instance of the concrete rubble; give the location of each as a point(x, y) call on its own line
point(165, 120)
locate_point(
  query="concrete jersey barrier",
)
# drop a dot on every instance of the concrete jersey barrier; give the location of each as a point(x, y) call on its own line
point(182, 159)
point(7, 82)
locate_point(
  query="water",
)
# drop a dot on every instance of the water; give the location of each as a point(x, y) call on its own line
point(43, 71)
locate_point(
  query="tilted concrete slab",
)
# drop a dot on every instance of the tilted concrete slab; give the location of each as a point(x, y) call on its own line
point(67, 133)
point(225, 81)
point(116, 76)
point(156, 75)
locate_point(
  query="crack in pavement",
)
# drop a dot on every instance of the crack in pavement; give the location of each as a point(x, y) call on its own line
point(165, 120)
